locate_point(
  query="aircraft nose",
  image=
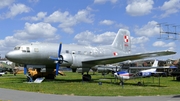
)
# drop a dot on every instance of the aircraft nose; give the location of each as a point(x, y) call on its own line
point(11, 55)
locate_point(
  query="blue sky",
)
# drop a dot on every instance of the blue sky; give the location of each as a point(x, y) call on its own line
point(89, 22)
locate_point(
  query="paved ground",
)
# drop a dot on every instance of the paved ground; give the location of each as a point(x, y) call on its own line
point(15, 95)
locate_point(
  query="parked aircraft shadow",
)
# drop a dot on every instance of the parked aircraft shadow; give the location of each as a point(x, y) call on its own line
point(69, 80)
point(141, 84)
point(176, 96)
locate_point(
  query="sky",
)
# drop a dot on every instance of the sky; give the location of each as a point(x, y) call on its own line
point(90, 22)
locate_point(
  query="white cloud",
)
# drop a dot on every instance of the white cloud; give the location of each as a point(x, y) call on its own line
point(67, 21)
point(8, 44)
point(106, 22)
point(139, 40)
point(139, 7)
point(138, 44)
point(10, 41)
point(88, 38)
point(39, 16)
point(163, 44)
point(5, 3)
point(150, 29)
point(121, 26)
point(35, 31)
point(16, 9)
point(170, 7)
point(34, 1)
point(39, 31)
point(104, 1)
point(170, 45)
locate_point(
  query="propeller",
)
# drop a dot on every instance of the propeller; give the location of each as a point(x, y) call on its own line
point(59, 59)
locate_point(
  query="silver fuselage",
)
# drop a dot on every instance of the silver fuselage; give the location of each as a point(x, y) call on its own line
point(39, 53)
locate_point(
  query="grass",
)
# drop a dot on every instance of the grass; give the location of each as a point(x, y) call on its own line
point(72, 84)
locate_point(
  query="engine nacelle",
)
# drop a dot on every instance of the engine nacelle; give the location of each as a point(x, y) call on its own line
point(67, 60)
point(75, 61)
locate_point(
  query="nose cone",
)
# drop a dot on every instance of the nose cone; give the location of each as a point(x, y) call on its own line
point(12, 56)
point(9, 55)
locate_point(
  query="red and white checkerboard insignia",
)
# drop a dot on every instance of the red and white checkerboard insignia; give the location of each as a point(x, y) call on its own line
point(115, 53)
point(126, 38)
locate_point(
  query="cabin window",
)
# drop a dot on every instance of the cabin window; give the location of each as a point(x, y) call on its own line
point(91, 53)
point(67, 51)
point(36, 50)
point(79, 52)
point(23, 50)
point(85, 52)
point(73, 52)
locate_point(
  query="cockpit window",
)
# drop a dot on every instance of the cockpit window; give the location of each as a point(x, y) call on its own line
point(17, 48)
point(28, 49)
point(25, 49)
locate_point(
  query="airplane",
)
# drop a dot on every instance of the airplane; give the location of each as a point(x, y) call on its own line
point(151, 71)
point(125, 75)
point(104, 69)
point(53, 55)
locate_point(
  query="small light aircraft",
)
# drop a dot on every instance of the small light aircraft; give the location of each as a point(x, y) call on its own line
point(125, 75)
point(52, 55)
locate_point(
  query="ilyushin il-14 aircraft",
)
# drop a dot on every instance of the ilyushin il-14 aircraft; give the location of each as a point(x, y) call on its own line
point(54, 55)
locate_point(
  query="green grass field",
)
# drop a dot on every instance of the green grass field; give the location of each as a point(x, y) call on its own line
point(72, 84)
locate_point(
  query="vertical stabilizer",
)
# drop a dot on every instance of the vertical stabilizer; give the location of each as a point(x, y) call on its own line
point(122, 40)
point(155, 64)
point(149, 72)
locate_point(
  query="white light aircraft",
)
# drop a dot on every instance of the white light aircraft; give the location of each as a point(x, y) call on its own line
point(52, 55)
point(125, 75)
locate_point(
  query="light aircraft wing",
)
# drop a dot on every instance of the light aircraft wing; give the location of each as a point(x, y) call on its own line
point(148, 67)
point(115, 59)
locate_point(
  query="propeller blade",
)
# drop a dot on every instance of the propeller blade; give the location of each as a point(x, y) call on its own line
point(25, 69)
point(57, 68)
point(53, 58)
point(59, 52)
point(59, 56)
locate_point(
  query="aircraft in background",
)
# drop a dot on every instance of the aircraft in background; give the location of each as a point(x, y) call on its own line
point(149, 72)
point(2, 73)
point(52, 55)
point(104, 69)
point(125, 75)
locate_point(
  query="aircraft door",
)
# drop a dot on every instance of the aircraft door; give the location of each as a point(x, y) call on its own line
point(76, 61)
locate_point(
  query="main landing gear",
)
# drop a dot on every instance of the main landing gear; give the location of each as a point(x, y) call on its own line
point(36, 73)
point(86, 77)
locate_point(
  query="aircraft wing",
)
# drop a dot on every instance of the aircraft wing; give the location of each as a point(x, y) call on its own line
point(115, 59)
point(149, 67)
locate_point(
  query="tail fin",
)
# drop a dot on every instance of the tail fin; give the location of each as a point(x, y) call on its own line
point(122, 40)
point(155, 64)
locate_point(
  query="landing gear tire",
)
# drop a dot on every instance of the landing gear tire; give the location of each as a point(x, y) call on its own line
point(139, 84)
point(74, 70)
point(86, 77)
point(121, 83)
